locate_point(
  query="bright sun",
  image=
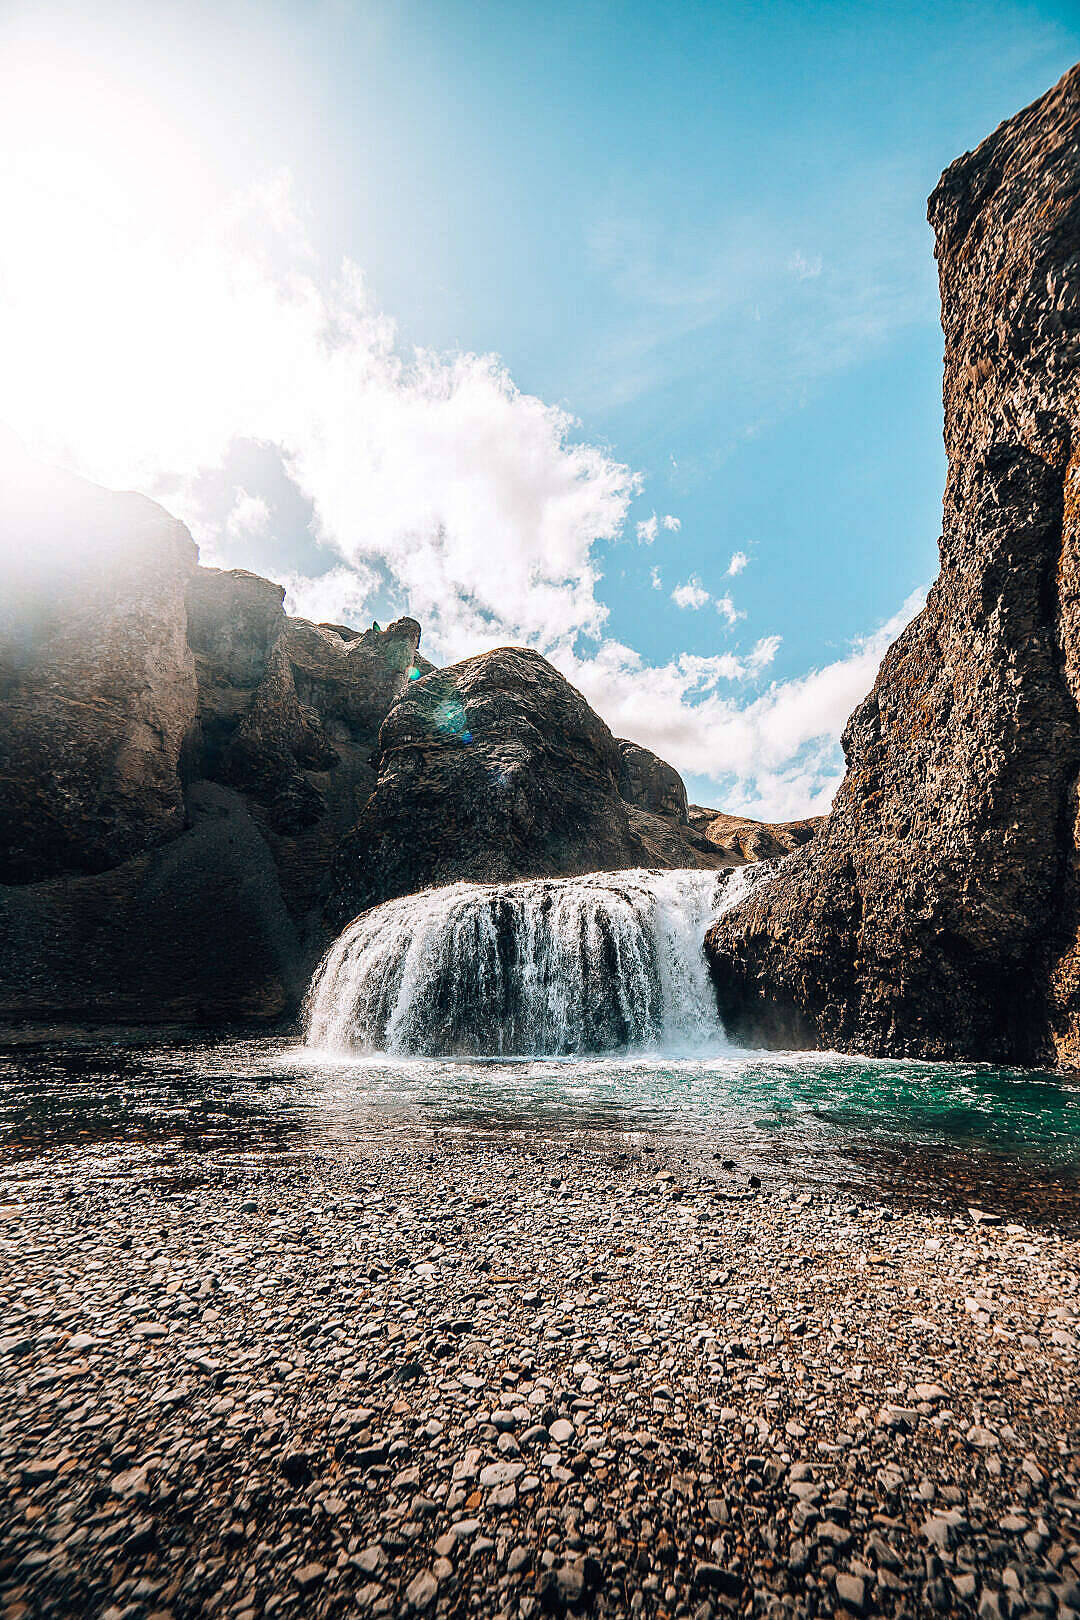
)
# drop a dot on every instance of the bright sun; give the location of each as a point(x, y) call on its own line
point(109, 289)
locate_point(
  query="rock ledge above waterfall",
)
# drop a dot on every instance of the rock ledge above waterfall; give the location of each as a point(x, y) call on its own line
point(495, 769)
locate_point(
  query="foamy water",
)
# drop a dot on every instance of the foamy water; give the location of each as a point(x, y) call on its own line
point(608, 962)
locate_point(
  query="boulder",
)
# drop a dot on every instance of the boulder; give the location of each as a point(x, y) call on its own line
point(936, 914)
point(492, 769)
point(650, 782)
point(97, 682)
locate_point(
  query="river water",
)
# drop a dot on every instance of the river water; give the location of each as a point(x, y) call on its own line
point(604, 980)
point(826, 1115)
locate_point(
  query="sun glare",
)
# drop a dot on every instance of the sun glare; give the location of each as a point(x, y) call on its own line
point(102, 201)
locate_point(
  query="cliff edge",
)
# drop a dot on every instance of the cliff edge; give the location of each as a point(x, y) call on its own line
point(936, 915)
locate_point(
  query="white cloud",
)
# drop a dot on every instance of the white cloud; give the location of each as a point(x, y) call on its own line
point(658, 704)
point(432, 478)
point(694, 595)
point(655, 580)
point(249, 518)
point(775, 756)
point(763, 653)
point(738, 562)
point(340, 596)
point(691, 595)
point(672, 523)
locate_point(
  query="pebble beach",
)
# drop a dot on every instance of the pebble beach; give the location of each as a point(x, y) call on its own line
point(451, 1375)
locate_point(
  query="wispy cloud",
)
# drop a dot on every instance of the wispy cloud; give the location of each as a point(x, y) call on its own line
point(340, 596)
point(803, 268)
point(773, 302)
point(738, 562)
point(249, 517)
point(692, 594)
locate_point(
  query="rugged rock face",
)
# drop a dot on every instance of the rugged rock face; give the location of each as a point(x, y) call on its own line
point(650, 782)
point(196, 930)
point(180, 761)
point(746, 840)
point(290, 711)
point(937, 913)
point(494, 768)
point(97, 683)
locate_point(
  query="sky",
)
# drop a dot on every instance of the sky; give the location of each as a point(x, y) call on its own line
point(609, 329)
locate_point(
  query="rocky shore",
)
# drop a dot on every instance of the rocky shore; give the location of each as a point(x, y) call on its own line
point(450, 1375)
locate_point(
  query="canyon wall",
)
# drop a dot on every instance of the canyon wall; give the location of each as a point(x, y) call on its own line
point(937, 912)
point(180, 761)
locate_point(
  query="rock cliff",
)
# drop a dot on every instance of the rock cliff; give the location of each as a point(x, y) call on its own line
point(937, 912)
point(97, 683)
point(184, 766)
point(180, 760)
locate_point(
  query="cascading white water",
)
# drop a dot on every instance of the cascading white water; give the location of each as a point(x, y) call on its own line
point(607, 962)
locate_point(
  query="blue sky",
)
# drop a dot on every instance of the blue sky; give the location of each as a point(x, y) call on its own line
point(693, 236)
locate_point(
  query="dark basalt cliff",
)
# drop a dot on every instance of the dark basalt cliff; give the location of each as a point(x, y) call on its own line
point(97, 683)
point(185, 767)
point(180, 760)
point(937, 913)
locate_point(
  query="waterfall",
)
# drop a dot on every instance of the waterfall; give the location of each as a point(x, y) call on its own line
point(608, 962)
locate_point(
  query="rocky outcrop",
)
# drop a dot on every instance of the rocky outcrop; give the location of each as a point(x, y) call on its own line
point(746, 840)
point(491, 769)
point(650, 782)
point(180, 761)
point(97, 683)
point(290, 711)
point(937, 912)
